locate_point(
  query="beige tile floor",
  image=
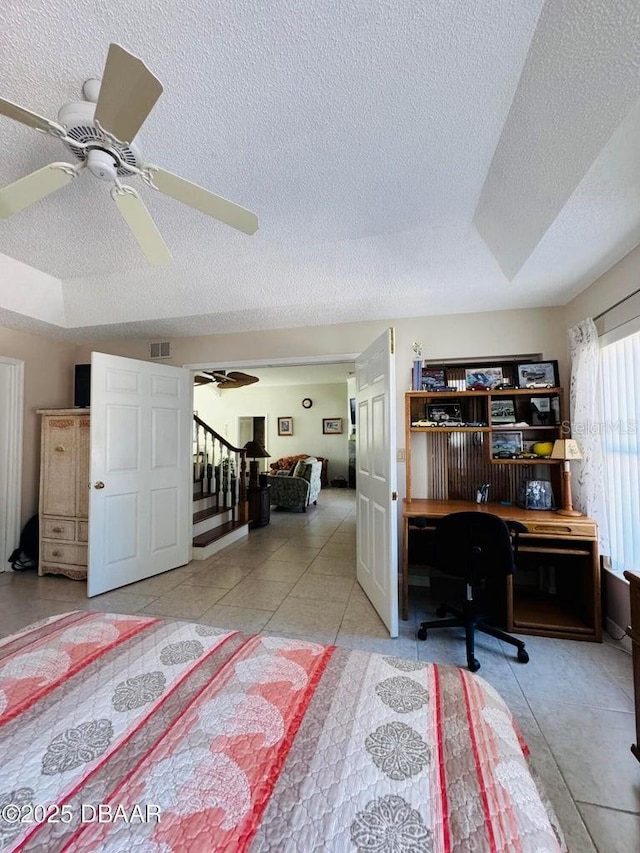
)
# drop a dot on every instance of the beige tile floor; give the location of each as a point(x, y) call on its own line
point(296, 577)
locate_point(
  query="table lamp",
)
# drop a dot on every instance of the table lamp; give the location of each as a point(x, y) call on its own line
point(566, 449)
point(255, 451)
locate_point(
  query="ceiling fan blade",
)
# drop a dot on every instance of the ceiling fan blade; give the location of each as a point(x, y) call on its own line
point(142, 226)
point(199, 379)
point(242, 378)
point(33, 187)
point(203, 200)
point(18, 113)
point(128, 93)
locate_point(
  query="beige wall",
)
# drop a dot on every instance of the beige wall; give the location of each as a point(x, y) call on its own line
point(48, 383)
point(620, 281)
point(222, 409)
point(449, 336)
point(496, 333)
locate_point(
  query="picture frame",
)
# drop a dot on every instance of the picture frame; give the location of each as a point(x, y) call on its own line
point(536, 494)
point(506, 444)
point(483, 378)
point(332, 426)
point(503, 411)
point(433, 377)
point(445, 414)
point(285, 425)
point(538, 374)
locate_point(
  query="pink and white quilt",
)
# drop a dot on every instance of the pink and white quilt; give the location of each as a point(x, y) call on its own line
point(129, 733)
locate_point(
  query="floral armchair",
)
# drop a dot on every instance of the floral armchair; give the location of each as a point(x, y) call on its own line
point(298, 490)
point(287, 462)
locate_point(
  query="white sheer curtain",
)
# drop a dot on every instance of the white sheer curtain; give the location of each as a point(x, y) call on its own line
point(620, 394)
point(587, 426)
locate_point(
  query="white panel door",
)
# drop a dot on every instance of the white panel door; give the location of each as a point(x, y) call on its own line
point(140, 506)
point(377, 519)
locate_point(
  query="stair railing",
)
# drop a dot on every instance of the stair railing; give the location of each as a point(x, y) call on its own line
point(219, 468)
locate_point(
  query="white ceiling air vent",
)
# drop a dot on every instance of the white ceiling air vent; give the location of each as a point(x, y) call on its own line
point(160, 350)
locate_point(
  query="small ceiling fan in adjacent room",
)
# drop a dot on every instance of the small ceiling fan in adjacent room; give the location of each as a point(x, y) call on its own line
point(233, 379)
point(99, 133)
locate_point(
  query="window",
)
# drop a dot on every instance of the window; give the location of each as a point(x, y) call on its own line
point(620, 402)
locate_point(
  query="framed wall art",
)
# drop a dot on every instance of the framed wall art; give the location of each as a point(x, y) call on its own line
point(538, 374)
point(483, 378)
point(285, 426)
point(332, 426)
point(503, 410)
point(506, 444)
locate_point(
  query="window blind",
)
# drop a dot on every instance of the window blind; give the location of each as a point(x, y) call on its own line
point(620, 423)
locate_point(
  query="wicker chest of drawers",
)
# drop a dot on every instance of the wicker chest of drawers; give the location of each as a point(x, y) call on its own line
point(64, 492)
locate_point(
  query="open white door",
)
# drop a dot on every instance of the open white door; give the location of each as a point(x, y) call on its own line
point(140, 506)
point(377, 519)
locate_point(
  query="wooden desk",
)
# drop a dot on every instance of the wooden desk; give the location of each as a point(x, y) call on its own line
point(573, 610)
point(633, 631)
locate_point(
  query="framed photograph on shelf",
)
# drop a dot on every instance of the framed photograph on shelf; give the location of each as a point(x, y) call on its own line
point(332, 426)
point(541, 412)
point(503, 411)
point(506, 444)
point(285, 426)
point(483, 378)
point(444, 414)
point(538, 374)
point(433, 377)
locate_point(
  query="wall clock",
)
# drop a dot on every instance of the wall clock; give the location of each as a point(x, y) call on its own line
point(307, 403)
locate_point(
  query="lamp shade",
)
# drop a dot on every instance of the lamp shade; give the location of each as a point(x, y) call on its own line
point(255, 450)
point(566, 448)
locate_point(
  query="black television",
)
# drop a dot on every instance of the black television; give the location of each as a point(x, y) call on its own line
point(82, 386)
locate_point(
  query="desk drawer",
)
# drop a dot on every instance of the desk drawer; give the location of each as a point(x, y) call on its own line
point(58, 528)
point(63, 552)
point(585, 529)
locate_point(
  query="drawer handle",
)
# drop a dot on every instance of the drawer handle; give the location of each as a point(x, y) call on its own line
point(560, 528)
point(56, 553)
point(59, 449)
point(57, 529)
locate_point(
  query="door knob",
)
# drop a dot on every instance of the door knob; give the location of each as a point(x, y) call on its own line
point(99, 485)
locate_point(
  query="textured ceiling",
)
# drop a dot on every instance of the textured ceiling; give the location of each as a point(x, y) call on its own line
point(380, 143)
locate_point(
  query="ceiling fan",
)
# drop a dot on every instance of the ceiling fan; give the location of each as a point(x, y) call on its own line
point(99, 132)
point(233, 379)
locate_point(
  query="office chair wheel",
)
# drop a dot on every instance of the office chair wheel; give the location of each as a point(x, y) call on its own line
point(473, 665)
point(441, 612)
point(422, 633)
point(523, 656)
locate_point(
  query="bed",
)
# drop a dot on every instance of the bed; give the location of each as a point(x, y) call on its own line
point(129, 733)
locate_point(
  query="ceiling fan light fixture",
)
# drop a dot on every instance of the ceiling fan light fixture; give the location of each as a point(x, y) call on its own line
point(102, 165)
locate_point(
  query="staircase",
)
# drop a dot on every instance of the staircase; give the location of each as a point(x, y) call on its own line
point(220, 510)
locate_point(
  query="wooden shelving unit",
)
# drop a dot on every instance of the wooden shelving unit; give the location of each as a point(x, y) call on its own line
point(556, 590)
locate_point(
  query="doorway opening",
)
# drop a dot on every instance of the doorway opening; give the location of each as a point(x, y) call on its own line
point(12, 404)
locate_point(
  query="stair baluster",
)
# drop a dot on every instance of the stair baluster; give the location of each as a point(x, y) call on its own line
point(219, 470)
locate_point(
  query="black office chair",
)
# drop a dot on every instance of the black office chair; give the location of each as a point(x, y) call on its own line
point(480, 548)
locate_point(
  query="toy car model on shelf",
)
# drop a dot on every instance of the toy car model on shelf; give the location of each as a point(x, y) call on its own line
point(538, 385)
point(439, 388)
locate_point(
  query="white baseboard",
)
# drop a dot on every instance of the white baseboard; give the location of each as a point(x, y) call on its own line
point(615, 631)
